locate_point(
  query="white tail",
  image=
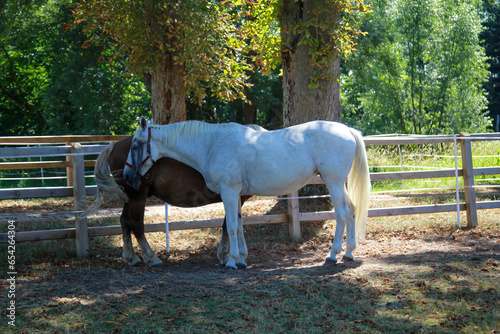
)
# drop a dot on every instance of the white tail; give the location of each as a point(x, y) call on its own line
point(358, 183)
point(107, 189)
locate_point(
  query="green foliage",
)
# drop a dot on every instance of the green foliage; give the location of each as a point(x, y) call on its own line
point(204, 36)
point(49, 84)
point(265, 108)
point(420, 69)
point(263, 31)
point(491, 41)
point(331, 29)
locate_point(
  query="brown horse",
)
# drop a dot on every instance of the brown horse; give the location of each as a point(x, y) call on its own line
point(169, 180)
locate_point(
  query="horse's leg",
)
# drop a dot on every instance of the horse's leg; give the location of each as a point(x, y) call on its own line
point(128, 250)
point(242, 245)
point(345, 218)
point(230, 198)
point(136, 210)
point(223, 250)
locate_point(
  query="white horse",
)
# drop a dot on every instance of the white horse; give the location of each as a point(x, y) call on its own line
point(236, 160)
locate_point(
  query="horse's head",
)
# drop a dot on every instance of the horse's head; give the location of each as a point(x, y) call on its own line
point(140, 158)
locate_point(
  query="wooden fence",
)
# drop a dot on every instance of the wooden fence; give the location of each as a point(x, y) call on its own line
point(75, 164)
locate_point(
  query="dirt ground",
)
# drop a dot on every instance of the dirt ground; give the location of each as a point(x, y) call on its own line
point(110, 278)
point(52, 286)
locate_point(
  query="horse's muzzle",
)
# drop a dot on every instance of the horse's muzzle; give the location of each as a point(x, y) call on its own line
point(132, 178)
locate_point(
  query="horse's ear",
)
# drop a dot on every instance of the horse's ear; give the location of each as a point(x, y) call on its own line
point(144, 124)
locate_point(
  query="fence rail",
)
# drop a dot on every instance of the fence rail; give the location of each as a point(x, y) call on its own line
point(75, 163)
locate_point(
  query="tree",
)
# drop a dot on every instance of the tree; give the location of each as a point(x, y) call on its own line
point(180, 47)
point(49, 84)
point(419, 69)
point(264, 106)
point(314, 34)
point(491, 43)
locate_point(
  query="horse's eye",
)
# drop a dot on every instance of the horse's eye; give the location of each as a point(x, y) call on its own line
point(134, 146)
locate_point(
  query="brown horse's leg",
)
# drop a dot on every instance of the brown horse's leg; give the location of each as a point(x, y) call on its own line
point(136, 209)
point(128, 250)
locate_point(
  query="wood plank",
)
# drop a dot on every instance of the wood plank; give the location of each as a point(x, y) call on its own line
point(89, 163)
point(486, 171)
point(17, 193)
point(395, 211)
point(317, 216)
point(426, 174)
point(35, 164)
point(58, 139)
point(415, 210)
point(66, 233)
point(488, 205)
point(407, 140)
point(93, 149)
point(21, 152)
point(39, 192)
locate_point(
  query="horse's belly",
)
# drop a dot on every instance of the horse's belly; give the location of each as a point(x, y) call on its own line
point(274, 185)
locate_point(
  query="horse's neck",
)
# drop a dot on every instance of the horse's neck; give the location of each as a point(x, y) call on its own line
point(184, 150)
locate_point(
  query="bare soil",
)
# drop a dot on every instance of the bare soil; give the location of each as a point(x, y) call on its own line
point(194, 272)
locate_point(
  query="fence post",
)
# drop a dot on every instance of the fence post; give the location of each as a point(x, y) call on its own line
point(81, 228)
point(294, 215)
point(468, 175)
point(69, 170)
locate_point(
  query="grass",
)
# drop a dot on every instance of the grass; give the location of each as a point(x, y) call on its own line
point(430, 157)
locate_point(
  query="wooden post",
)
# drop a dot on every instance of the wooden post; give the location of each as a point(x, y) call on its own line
point(468, 175)
point(294, 215)
point(69, 170)
point(81, 228)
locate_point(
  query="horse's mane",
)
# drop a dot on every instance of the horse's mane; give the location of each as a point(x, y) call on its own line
point(193, 130)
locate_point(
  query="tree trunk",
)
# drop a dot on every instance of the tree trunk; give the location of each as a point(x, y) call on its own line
point(168, 93)
point(249, 113)
point(300, 102)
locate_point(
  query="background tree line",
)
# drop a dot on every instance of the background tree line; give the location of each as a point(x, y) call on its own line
point(422, 66)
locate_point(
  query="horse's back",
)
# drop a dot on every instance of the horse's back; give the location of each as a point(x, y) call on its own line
point(281, 161)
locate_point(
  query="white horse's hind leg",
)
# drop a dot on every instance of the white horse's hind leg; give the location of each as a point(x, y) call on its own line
point(242, 245)
point(351, 230)
point(345, 218)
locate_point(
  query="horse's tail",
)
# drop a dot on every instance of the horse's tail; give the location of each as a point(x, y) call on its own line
point(107, 189)
point(358, 183)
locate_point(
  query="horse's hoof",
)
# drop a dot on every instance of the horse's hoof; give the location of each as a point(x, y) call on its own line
point(330, 261)
point(230, 267)
point(346, 258)
point(134, 262)
point(241, 265)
